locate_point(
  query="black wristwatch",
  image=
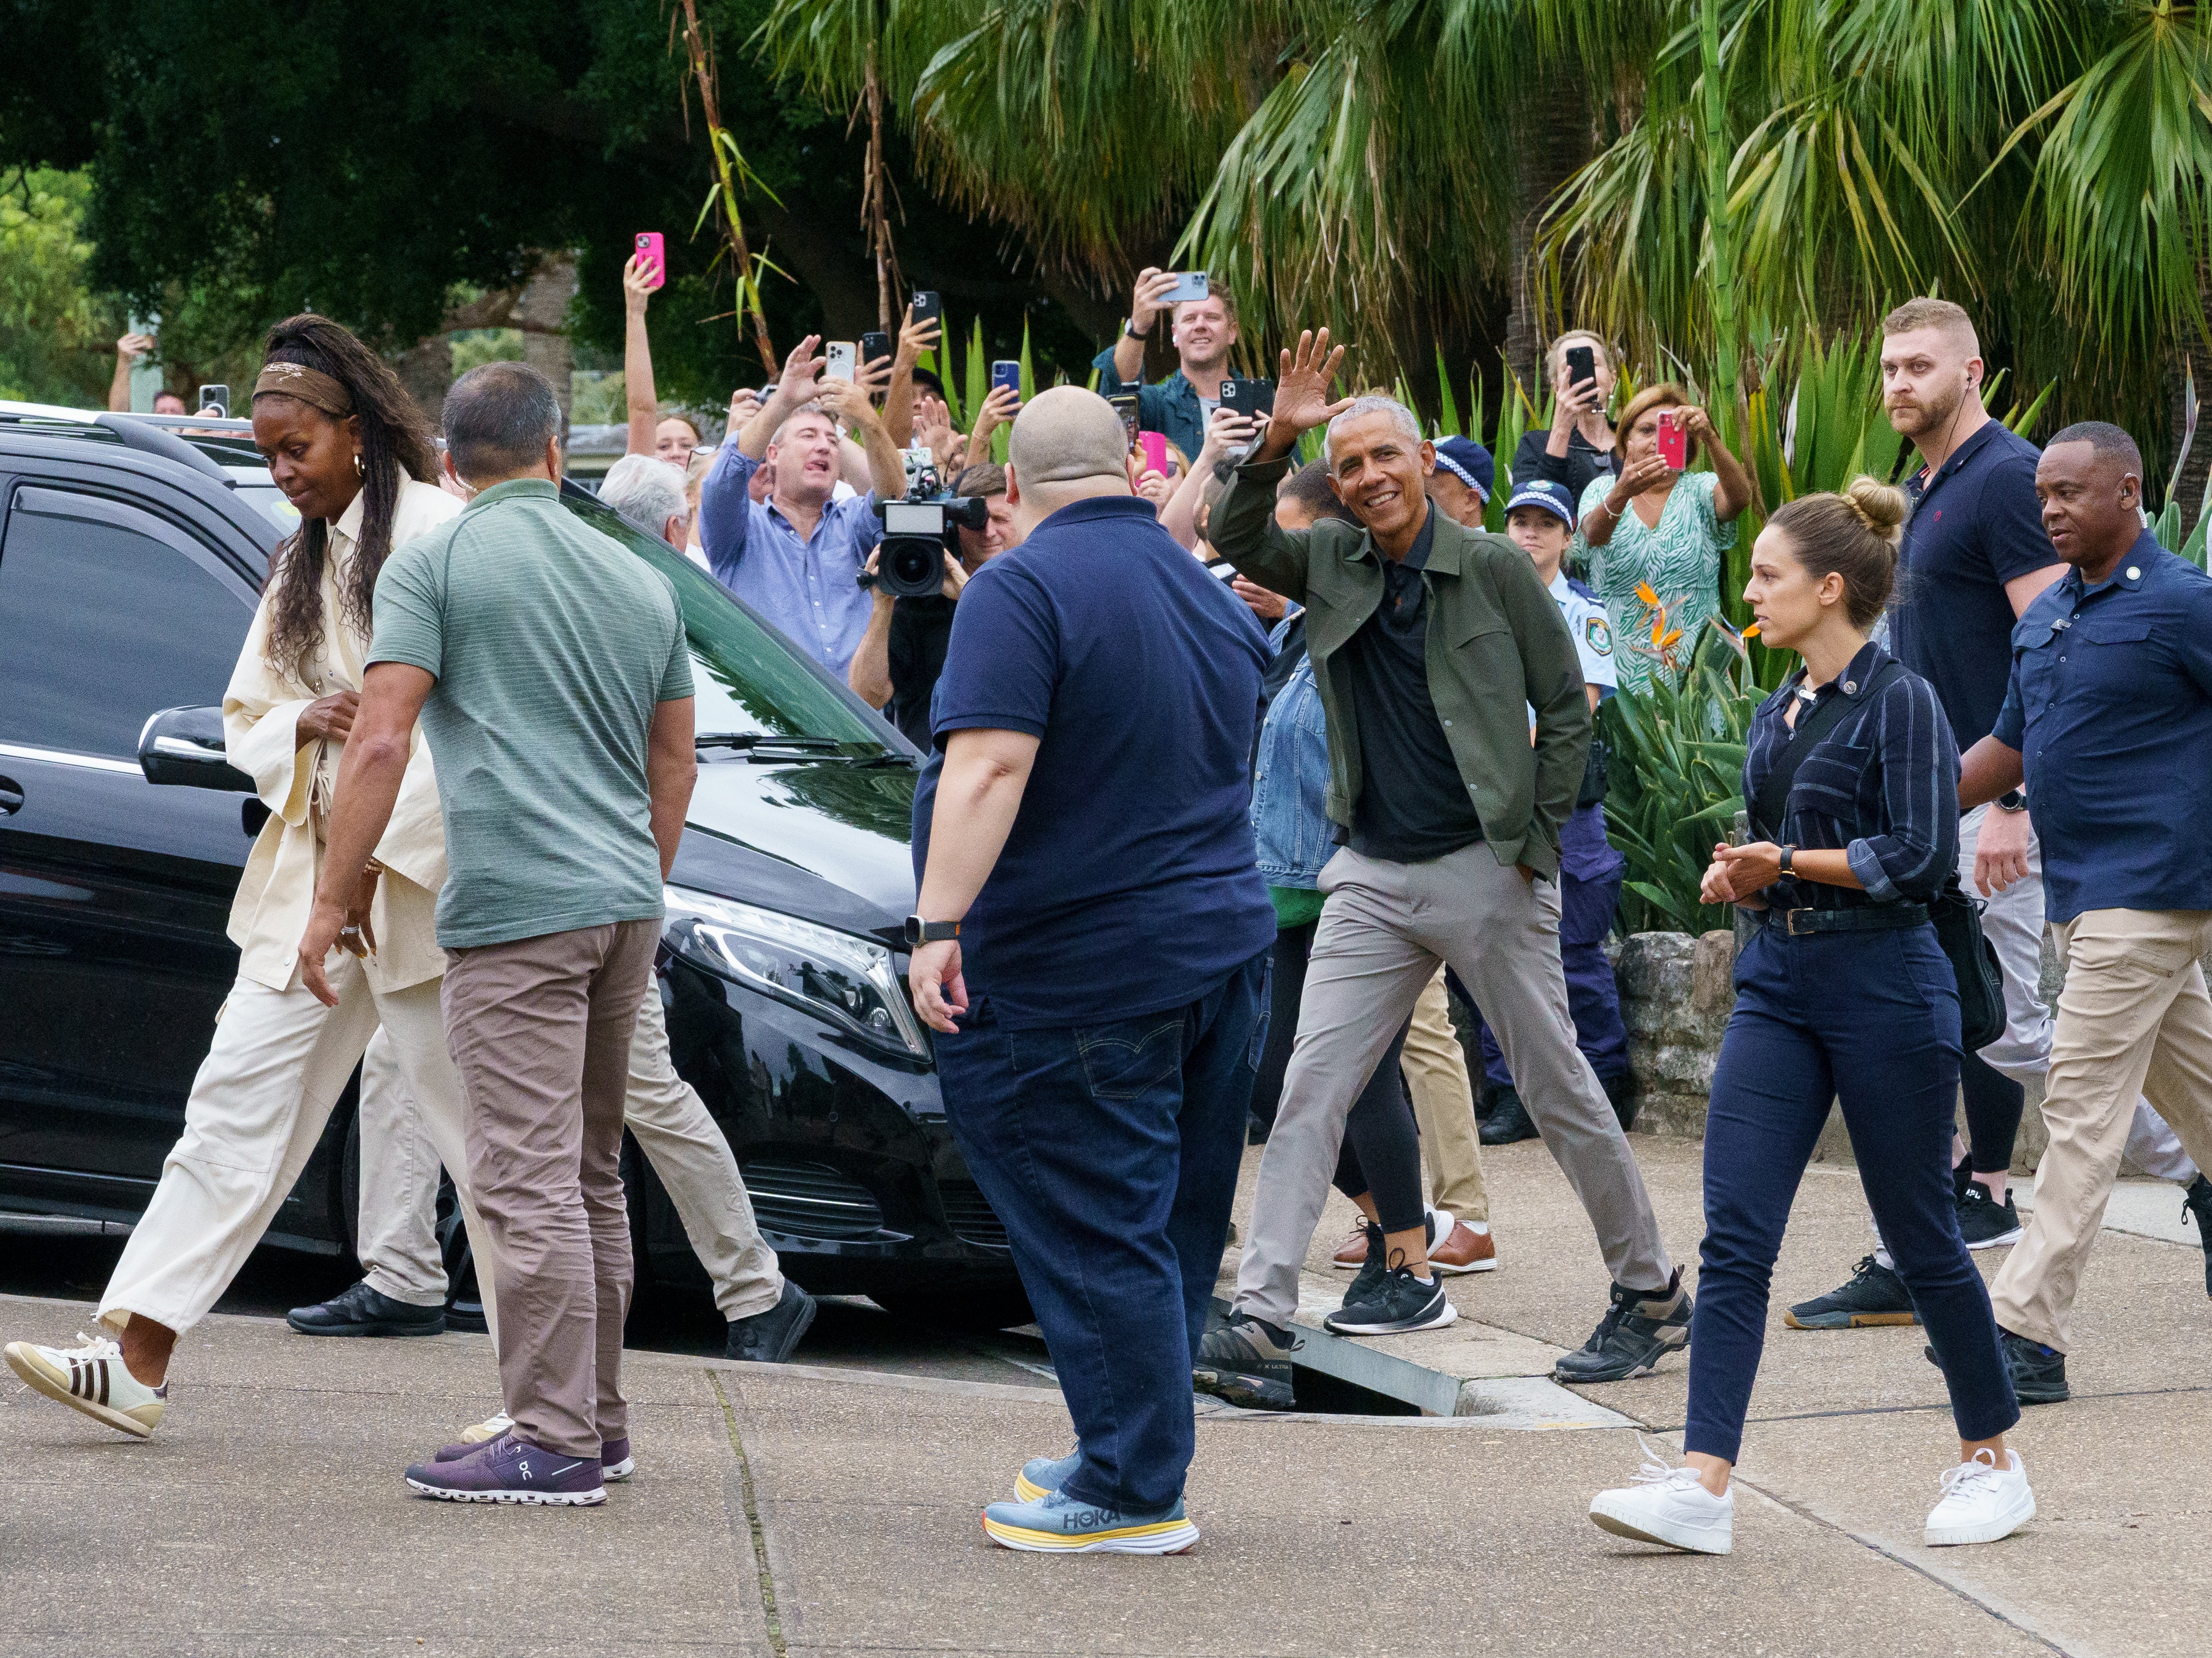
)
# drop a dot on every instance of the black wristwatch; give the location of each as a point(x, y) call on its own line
point(1789, 853)
point(919, 933)
point(1134, 332)
point(2012, 800)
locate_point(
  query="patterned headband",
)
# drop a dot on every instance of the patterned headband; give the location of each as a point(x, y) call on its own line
point(310, 386)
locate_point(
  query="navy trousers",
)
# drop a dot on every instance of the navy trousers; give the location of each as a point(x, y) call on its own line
point(1110, 1151)
point(1593, 996)
point(1870, 1019)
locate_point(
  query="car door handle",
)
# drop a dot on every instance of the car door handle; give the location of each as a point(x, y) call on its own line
point(11, 797)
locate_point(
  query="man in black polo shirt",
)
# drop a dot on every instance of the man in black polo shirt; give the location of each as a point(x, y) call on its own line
point(1975, 556)
point(903, 652)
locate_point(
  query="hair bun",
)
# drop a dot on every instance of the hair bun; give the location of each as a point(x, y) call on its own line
point(1880, 506)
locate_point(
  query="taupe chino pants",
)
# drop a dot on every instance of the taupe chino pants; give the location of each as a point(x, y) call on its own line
point(2133, 1018)
point(540, 1029)
point(1384, 932)
point(1435, 1066)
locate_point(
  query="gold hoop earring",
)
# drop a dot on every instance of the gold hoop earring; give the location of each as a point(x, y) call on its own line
point(358, 470)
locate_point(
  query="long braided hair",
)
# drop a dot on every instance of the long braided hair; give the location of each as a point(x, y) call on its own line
point(394, 440)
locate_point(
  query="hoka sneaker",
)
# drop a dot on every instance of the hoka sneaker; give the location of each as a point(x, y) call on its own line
point(1642, 1328)
point(1873, 1295)
point(512, 1469)
point(1247, 1362)
point(1981, 1501)
point(92, 1378)
point(1400, 1303)
point(1667, 1506)
point(1983, 1221)
point(615, 1461)
point(1041, 1476)
point(1057, 1523)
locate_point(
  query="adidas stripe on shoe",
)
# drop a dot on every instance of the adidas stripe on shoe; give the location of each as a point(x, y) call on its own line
point(92, 1378)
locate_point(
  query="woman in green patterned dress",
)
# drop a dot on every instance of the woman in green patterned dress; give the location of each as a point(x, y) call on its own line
point(1656, 536)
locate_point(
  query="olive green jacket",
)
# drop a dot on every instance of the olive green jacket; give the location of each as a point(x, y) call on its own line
point(1497, 646)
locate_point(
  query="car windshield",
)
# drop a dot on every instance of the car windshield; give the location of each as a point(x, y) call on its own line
point(747, 680)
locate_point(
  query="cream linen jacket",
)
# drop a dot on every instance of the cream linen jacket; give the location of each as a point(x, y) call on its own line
point(295, 777)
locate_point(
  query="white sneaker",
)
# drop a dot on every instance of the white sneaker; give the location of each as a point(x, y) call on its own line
point(489, 1428)
point(1668, 1505)
point(1981, 1501)
point(92, 1378)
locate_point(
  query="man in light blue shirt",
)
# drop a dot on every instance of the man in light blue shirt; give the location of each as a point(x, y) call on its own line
point(796, 557)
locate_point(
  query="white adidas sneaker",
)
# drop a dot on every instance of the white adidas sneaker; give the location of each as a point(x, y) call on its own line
point(92, 1378)
point(1667, 1506)
point(1981, 1501)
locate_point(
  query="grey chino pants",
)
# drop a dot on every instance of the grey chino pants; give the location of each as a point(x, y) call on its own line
point(1383, 931)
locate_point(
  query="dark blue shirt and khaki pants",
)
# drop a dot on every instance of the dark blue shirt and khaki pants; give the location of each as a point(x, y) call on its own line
point(2110, 709)
point(1115, 961)
point(1845, 996)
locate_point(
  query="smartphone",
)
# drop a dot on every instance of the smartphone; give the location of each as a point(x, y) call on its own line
point(1188, 285)
point(1252, 398)
point(1674, 441)
point(1125, 405)
point(216, 400)
point(875, 346)
point(1155, 445)
point(654, 250)
point(927, 307)
point(838, 358)
point(1581, 364)
point(1008, 375)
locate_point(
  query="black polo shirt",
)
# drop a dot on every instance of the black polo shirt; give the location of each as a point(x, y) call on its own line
point(1975, 525)
point(1412, 804)
point(920, 628)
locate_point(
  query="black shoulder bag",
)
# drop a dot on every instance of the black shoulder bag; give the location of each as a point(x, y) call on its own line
point(1956, 914)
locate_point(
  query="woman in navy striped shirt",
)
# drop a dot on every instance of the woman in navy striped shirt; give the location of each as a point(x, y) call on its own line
point(1844, 993)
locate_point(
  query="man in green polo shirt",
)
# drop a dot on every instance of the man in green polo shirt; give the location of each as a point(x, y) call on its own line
point(549, 668)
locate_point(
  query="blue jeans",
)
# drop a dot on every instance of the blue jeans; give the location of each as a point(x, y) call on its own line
point(1872, 1019)
point(1110, 1151)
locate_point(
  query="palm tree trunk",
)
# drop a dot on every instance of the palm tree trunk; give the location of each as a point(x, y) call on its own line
point(1554, 140)
point(702, 71)
point(875, 209)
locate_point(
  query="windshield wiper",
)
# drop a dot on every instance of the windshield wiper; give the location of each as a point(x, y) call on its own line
point(764, 740)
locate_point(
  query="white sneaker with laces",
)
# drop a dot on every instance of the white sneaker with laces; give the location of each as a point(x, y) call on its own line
point(1981, 1501)
point(488, 1429)
point(93, 1378)
point(1667, 1505)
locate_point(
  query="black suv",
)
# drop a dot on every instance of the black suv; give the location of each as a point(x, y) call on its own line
point(130, 560)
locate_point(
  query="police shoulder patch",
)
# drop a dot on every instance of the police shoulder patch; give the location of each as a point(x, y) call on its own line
point(1597, 633)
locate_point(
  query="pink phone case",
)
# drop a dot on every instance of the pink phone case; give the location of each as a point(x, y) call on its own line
point(1155, 445)
point(653, 248)
point(1674, 441)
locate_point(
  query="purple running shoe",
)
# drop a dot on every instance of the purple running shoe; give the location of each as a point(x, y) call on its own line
point(615, 1461)
point(512, 1469)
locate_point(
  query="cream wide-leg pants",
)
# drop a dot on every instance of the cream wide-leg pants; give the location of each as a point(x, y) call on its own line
point(279, 1063)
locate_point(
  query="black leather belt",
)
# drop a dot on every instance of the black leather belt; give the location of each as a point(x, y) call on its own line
point(1860, 918)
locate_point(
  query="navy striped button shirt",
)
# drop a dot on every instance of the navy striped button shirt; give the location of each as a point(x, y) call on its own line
point(1882, 785)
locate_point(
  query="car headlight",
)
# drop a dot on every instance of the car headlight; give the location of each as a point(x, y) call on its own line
point(837, 977)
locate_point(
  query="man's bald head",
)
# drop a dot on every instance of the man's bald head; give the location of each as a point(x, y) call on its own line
point(1067, 445)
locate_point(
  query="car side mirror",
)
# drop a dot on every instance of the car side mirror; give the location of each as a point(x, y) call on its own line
point(185, 746)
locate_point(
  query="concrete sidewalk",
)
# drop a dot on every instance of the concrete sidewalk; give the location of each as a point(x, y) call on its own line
point(811, 1510)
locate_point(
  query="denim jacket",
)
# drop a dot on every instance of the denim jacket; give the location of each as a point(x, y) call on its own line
point(1290, 784)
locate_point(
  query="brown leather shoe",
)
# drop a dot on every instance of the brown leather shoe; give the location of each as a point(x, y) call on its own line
point(1351, 1254)
point(1465, 1250)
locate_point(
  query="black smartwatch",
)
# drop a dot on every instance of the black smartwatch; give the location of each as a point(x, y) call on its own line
point(919, 933)
point(1134, 332)
point(2012, 800)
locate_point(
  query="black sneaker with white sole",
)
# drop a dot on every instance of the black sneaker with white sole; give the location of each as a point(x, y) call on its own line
point(1983, 1221)
point(1873, 1295)
point(1247, 1362)
point(1400, 1303)
point(1641, 1328)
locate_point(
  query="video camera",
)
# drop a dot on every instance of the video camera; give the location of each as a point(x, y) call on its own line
point(910, 558)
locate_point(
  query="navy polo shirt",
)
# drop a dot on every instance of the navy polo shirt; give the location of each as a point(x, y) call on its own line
point(2111, 708)
point(1975, 525)
point(1129, 882)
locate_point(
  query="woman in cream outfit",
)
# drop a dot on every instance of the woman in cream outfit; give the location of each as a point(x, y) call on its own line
point(347, 449)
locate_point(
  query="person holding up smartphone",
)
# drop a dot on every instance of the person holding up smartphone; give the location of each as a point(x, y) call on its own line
point(671, 438)
point(1579, 446)
point(1203, 330)
point(1656, 533)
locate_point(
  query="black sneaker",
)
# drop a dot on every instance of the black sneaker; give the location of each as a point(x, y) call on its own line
point(1247, 1362)
point(1874, 1295)
point(2038, 1373)
point(768, 1338)
point(1367, 1283)
point(1962, 1176)
point(1641, 1329)
point(362, 1311)
point(2197, 1201)
point(1507, 1120)
point(1401, 1302)
point(1983, 1221)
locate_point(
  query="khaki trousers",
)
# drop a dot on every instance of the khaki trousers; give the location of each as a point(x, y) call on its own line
point(1435, 1067)
point(279, 1063)
point(688, 1152)
point(540, 1030)
point(2133, 1018)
